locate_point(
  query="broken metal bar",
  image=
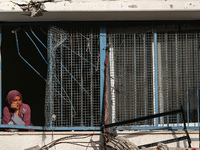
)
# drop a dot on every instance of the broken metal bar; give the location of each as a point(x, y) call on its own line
point(155, 116)
point(142, 118)
point(164, 142)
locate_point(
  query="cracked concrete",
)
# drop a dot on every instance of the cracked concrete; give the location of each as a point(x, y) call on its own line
point(104, 10)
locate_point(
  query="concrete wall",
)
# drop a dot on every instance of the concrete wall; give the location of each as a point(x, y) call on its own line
point(105, 10)
point(25, 140)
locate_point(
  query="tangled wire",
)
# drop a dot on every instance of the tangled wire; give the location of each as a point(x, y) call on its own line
point(91, 143)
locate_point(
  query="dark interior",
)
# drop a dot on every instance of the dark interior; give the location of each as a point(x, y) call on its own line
point(16, 74)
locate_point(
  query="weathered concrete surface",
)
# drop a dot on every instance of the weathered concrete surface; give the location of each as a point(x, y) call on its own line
point(105, 10)
point(25, 140)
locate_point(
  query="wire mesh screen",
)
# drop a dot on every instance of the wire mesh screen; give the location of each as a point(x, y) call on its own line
point(132, 58)
point(178, 72)
point(73, 85)
point(132, 67)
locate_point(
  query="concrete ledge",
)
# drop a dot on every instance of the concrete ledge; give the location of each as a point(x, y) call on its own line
point(97, 132)
point(105, 11)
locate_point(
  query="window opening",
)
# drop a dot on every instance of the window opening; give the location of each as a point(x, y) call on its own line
point(16, 74)
point(72, 96)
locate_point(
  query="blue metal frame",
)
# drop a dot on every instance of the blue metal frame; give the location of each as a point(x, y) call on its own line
point(102, 65)
point(156, 73)
point(102, 78)
point(49, 128)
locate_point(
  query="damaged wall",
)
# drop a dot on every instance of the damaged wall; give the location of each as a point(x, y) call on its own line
point(94, 10)
point(25, 140)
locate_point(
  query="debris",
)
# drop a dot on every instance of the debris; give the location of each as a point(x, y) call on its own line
point(120, 143)
point(33, 148)
point(35, 7)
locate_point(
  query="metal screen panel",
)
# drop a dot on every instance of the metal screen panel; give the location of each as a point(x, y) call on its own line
point(131, 65)
point(73, 85)
point(152, 70)
point(178, 72)
point(133, 51)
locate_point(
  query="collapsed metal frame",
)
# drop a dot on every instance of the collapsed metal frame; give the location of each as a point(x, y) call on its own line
point(104, 127)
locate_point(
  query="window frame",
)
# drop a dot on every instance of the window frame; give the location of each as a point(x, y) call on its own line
point(103, 44)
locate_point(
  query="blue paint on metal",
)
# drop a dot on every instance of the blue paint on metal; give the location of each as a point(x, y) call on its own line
point(102, 65)
point(49, 128)
point(18, 51)
point(91, 128)
point(36, 47)
point(156, 74)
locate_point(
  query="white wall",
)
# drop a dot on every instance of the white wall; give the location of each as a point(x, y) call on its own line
point(105, 10)
point(25, 140)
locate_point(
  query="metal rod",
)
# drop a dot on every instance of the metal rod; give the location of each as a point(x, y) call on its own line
point(142, 118)
point(156, 74)
point(102, 65)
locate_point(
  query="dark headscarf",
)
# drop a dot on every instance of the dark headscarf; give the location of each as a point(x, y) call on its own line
point(11, 96)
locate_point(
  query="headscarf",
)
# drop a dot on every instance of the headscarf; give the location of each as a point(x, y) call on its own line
point(11, 96)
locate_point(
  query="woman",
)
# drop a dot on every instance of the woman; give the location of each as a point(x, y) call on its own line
point(16, 112)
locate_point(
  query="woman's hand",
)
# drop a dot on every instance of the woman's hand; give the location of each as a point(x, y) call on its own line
point(13, 106)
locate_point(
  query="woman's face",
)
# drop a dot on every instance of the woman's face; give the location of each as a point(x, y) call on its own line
point(16, 103)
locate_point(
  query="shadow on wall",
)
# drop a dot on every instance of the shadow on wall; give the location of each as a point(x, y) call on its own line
point(16, 74)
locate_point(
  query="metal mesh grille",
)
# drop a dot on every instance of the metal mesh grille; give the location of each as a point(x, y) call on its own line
point(132, 52)
point(178, 72)
point(132, 67)
point(73, 86)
